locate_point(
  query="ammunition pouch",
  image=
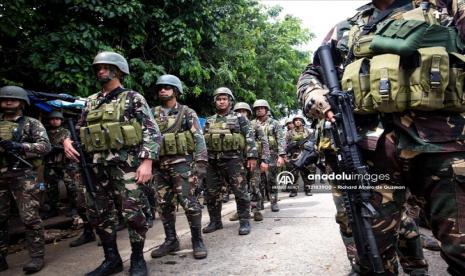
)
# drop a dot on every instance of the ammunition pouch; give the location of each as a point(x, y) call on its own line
point(224, 141)
point(177, 144)
point(272, 142)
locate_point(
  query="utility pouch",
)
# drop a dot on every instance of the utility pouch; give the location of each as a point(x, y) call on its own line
point(429, 80)
point(389, 94)
point(181, 143)
point(356, 79)
point(115, 136)
point(97, 137)
point(228, 142)
point(169, 140)
point(454, 98)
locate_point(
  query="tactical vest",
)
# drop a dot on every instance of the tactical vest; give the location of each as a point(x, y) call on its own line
point(407, 63)
point(297, 136)
point(107, 130)
point(176, 139)
point(224, 136)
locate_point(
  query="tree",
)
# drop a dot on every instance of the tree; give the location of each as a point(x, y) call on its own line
point(49, 45)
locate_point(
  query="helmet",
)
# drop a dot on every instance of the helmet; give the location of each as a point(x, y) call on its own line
point(170, 80)
point(223, 90)
point(296, 117)
point(261, 103)
point(113, 59)
point(288, 121)
point(14, 92)
point(56, 114)
point(242, 105)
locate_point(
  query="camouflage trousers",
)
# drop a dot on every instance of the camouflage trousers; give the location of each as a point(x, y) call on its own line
point(175, 184)
point(269, 183)
point(52, 177)
point(101, 210)
point(253, 178)
point(23, 187)
point(233, 171)
point(438, 180)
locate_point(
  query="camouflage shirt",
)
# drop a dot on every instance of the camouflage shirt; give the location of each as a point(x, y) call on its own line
point(56, 136)
point(260, 136)
point(137, 108)
point(33, 138)
point(273, 129)
point(190, 122)
point(416, 131)
point(245, 128)
point(291, 135)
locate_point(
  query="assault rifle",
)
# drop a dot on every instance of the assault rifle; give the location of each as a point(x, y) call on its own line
point(344, 136)
point(85, 169)
point(18, 159)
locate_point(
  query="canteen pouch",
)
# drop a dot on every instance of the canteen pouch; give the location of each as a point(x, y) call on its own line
point(429, 80)
point(356, 80)
point(130, 135)
point(228, 142)
point(272, 142)
point(115, 136)
point(169, 139)
point(97, 137)
point(181, 143)
point(389, 95)
point(454, 99)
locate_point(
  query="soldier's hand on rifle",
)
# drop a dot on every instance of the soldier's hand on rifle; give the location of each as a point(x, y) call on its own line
point(263, 167)
point(317, 104)
point(281, 162)
point(70, 151)
point(251, 164)
point(144, 171)
point(11, 146)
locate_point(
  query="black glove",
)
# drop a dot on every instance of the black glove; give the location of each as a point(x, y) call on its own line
point(11, 146)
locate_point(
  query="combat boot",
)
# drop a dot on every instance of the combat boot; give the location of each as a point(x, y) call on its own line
point(293, 193)
point(3, 263)
point(226, 198)
point(171, 243)
point(199, 248)
point(112, 263)
point(138, 265)
point(215, 221)
point(34, 265)
point(257, 216)
point(235, 217)
point(244, 227)
point(86, 236)
point(274, 207)
point(121, 223)
point(308, 191)
point(430, 243)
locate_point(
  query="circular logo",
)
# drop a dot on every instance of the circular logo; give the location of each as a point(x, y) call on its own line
point(285, 178)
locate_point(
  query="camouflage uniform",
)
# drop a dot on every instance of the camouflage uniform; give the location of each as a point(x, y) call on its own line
point(21, 183)
point(253, 178)
point(230, 166)
point(272, 130)
point(175, 175)
point(425, 147)
point(116, 169)
point(56, 169)
point(296, 135)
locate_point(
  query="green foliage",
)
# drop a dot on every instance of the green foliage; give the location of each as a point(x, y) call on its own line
point(49, 45)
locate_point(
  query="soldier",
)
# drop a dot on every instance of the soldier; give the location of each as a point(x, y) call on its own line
point(121, 139)
point(175, 179)
point(253, 178)
point(289, 124)
point(413, 134)
point(21, 137)
point(275, 135)
point(293, 138)
point(56, 168)
point(227, 135)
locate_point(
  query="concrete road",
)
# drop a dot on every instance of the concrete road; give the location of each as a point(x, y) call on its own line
point(301, 239)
